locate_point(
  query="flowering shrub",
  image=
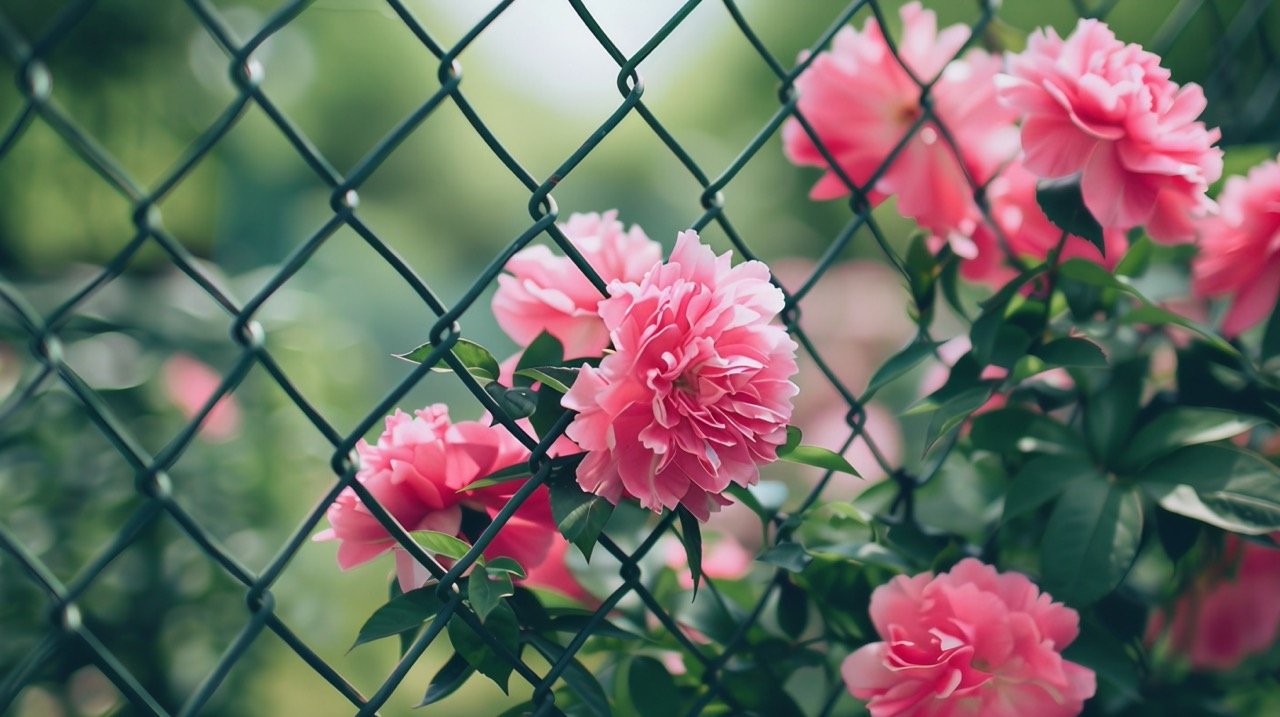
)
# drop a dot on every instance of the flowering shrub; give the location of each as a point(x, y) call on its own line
point(1084, 512)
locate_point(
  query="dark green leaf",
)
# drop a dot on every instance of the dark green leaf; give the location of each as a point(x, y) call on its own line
point(576, 676)
point(486, 590)
point(402, 613)
point(815, 456)
point(793, 609)
point(1182, 426)
point(1018, 429)
point(1091, 540)
point(506, 565)
point(747, 498)
point(545, 350)
point(476, 358)
point(1097, 649)
point(579, 621)
point(441, 544)
point(1042, 479)
point(954, 412)
point(788, 556)
point(1177, 533)
point(547, 412)
point(557, 378)
point(1072, 351)
point(1109, 411)
point(1218, 484)
point(1011, 345)
point(1158, 316)
point(501, 623)
point(516, 402)
point(653, 692)
point(922, 275)
point(691, 536)
point(900, 363)
point(519, 471)
point(580, 516)
point(1062, 202)
point(1271, 335)
point(450, 677)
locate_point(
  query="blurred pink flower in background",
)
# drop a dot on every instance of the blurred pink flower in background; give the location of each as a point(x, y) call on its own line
point(968, 642)
point(548, 292)
point(722, 559)
point(1097, 106)
point(1240, 249)
point(861, 103)
point(415, 471)
point(190, 383)
point(698, 392)
point(1230, 613)
point(1011, 198)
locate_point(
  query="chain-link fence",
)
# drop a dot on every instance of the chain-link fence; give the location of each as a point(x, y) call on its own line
point(1239, 69)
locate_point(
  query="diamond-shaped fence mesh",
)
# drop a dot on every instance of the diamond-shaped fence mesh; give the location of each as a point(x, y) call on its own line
point(55, 415)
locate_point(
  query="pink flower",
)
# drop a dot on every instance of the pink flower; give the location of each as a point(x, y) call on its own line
point(1240, 249)
point(190, 384)
point(1097, 106)
point(697, 393)
point(1011, 197)
point(1231, 613)
point(548, 292)
point(415, 471)
point(861, 103)
point(969, 642)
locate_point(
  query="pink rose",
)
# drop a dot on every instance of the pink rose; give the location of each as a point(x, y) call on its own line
point(1011, 198)
point(1097, 106)
point(415, 471)
point(548, 292)
point(861, 103)
point(190, 384)
point(1240, 249)
point(1230, 613)
point(697, 393)
point(969, 642)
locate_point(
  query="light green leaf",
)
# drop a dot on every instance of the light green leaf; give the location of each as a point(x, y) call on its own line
point(516, 472)
point(506, 565)
point(476, 358)
point(1091, 540)
point(557, 378)
point(815, 456)
point(441, 544)
point(1218, 484)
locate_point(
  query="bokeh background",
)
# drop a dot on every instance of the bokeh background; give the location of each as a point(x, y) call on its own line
point(144, 79)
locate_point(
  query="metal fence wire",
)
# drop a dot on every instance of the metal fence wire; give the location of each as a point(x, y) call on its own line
point(1246, 111)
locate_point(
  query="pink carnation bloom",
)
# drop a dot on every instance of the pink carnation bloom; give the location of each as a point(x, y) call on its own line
point(190, 384)
point(548, 292)
point(861, 103)
point(1097, 106)
point(1011, 197)
point(1240, 249)
point(1231, 613)
point(415, 471)
point(697, 393)
point(969, 642)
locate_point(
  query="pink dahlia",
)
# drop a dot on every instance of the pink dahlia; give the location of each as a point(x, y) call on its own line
point(1106, 109)
point(861, 103)
point(418, 471)
point(1231, 613)
point(1240, 249)
point(969, 642)
point(1011, 197)
point(697, 393)
point(548, 292)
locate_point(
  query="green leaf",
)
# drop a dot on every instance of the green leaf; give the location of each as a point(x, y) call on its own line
point(441, 544)
point(954, 412)
point(579, 620)
point(576, 676)
point(516, 402)
point(486, 589)
point(1218, 484)
point(557, 378)
point(1099, 650)
point(580, 516)
point(793, 609)
point(519, 471)
point(1042, 479)
point(922, 275)
point(691, 536)
point(506, 565)
point(1062, 202)
point(1072, 351)
point(501, 623)
point(1137, 259)
point(900, 363)
point(1087, 272)
point(1091, 540)
point(815, 456)
point(1177, 533)
point(1157, 316)
point(401, 614)
point(986, 327)
point(476, 358)
point(547, 412)
point(447, 681)
point(1015, 429)
point(788, 556)
point(653, 691)
point(545, 350)
point(1182, 426)
point(1110, 410)
point(1271, 335)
